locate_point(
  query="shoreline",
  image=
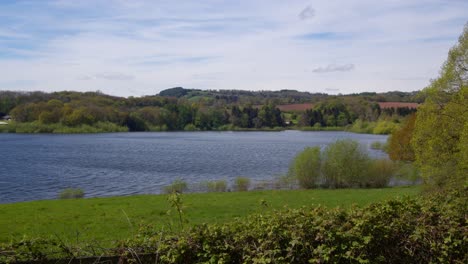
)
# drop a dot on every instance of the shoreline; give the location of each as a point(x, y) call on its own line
point(4, 129)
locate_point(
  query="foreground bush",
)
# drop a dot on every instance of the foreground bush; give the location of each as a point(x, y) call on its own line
point(418, 230)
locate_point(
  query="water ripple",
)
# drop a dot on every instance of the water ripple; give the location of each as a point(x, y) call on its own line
point(39, 166)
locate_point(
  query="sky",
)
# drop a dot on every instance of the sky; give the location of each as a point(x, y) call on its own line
point(136, 47)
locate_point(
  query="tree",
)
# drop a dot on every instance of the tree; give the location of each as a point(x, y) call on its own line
point(441, 128)
point(80, 116)
point(400, 147)
point(345, 164)
point(135, 123)
point(306, 167)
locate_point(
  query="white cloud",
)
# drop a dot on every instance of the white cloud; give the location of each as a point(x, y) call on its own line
point(334, 68)
point(112, 76)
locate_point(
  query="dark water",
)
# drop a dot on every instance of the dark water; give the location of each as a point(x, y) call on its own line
point(38, 166)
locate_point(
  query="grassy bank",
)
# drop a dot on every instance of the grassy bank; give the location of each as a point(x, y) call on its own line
point(108, 219)
point(381, 127)
point(57, 128)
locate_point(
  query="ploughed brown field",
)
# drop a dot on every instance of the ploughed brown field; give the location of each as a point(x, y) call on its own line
point(384, 105)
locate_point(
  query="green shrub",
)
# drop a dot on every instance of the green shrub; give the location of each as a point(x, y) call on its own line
point(360, 126)
point(190, 127)
point(241, 184)
point(408, 171)
point(345, 164)
point(217, 186)
point(38, 127)
point(342, 164)
point(306, 167)
point(385, 127)
point(158, 128)
point(71, 193)
point(379, 173)
point(178, 186)
point(227, 127)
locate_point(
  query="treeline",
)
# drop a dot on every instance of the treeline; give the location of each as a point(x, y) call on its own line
point(147, 114)
point(340, 112)
point(285, 96)
point(173, 110)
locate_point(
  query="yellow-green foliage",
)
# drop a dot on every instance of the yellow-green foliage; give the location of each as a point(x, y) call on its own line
point(306, 167)
point(360, 126)
point(440, 134)
point(178, 186)
point(385, 127)
point(345, 163)
point(342, 164)
point(382, 126)
point(38, 127)
point(217, 186)
point(241, 184)
point(400, 141)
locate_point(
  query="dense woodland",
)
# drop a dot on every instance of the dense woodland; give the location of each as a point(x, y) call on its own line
point(192, 109)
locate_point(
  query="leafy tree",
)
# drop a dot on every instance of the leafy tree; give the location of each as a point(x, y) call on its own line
point(135, 123)
point(399, 142)
point(185, 115)
point(306, 167)
point(345, 164)
point(441, 129)
point(334, 113)
point(78, 117)
point(176, 92)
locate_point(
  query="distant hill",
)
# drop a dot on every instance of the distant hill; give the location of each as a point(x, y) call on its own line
point(284, 97)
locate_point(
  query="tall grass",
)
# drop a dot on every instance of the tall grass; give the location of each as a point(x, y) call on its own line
point(217, 186)
point(178, 186)
point(241, 184)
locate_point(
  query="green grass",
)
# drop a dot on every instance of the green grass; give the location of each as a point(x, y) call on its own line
point(115, 218)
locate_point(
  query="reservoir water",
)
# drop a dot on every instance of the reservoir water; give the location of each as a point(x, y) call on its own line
point(39, 166)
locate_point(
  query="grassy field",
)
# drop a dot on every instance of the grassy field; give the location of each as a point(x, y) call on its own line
point(108, 219)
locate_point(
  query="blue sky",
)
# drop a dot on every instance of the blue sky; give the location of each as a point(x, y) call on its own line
point(141, 47)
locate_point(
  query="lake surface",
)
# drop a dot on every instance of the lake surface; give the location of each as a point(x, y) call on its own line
point(39, 166)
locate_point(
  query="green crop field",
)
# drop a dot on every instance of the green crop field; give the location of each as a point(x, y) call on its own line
point(108, 219)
